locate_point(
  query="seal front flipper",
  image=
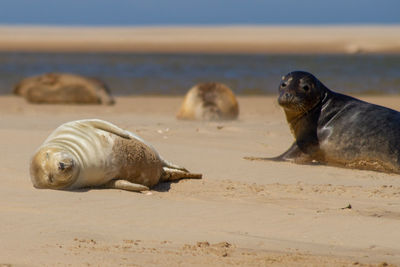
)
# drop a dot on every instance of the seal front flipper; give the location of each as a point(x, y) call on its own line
point(292, 154)
point(125, 185)
point(106, 126)
point(173, 174)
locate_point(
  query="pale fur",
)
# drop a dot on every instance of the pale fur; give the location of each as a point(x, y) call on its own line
point(91, 147)
point(102, 154)
point(56, 88)
point(209, 101)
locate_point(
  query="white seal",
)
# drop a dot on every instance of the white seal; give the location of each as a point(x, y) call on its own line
point(96, 153)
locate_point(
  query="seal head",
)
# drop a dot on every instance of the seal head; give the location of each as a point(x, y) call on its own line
point(53, 168)
point(299, 93)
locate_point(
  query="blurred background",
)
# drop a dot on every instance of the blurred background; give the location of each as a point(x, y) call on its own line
point(196, 12)
point(131, 71)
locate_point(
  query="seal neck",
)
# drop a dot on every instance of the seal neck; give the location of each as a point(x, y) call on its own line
point(293, 118)
point(308, 119)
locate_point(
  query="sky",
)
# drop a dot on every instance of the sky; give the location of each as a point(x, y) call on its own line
point(194, 12)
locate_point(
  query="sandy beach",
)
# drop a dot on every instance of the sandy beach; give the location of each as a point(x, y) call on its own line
point(216, 39)
point(242, 213)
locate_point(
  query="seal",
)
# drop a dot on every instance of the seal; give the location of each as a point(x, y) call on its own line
point(96, 153)
point(209, 101)
point(63, 88)
point(335, 129)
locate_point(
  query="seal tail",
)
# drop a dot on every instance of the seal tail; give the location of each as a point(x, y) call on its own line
point(173, 174)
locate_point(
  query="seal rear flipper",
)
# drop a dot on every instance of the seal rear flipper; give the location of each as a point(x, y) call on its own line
point(172, 174)
point(169, 165)
point(125, 185)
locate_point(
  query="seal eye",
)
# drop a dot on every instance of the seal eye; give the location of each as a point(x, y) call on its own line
point(283, 84)
point(50, 177)
point(306, 88)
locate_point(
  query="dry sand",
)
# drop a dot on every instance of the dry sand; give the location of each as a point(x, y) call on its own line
point(232, 39)
point(241, 213)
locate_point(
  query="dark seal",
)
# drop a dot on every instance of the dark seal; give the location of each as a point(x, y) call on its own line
point(336, 129)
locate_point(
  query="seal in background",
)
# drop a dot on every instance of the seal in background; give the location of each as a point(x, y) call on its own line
point(209, 101)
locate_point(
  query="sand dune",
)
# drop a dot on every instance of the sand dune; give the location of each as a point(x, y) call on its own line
point(241, 213)
point(218, 39)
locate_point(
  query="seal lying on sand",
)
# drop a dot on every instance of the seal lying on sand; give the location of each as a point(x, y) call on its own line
point(336, 129)
point(63, 88)
point(96, 153)
point(209, 101)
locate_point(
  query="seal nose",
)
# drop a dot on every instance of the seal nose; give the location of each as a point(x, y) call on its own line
point(66, 164)
point(284, 98)
point(61, 166)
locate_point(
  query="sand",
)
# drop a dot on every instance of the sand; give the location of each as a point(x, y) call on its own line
point(242, 213)
point(215, 39)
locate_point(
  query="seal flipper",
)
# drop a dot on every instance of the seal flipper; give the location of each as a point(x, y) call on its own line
point(108, 127)
point(126, 185)
point(172, 166)
point(292, 154)
point(172, 174)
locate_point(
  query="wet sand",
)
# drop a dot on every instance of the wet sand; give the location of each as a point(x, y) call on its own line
point(242, 213)
point(218, 39)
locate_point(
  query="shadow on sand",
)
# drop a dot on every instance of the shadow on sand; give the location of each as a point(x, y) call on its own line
point(161, 187)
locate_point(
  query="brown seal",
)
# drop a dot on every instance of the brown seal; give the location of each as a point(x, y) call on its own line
point(209, 101)
point(64, 88)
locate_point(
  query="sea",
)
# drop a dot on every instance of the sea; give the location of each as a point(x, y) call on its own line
point(174, 74)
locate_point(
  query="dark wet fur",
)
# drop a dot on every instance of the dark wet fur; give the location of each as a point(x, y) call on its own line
point(339, 130)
